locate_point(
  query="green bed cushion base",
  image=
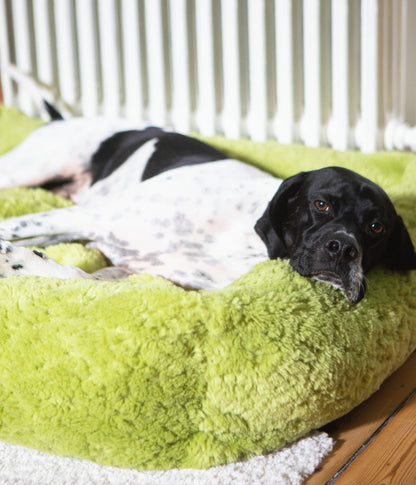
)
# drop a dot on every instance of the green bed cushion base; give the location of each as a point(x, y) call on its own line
point(142, 374)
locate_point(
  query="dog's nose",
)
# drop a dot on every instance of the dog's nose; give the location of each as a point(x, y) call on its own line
point(342, 249)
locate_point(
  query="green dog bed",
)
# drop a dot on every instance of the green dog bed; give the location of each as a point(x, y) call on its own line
point(143, 374)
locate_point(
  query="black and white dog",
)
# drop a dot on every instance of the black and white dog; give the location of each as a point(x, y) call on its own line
point(169, 205)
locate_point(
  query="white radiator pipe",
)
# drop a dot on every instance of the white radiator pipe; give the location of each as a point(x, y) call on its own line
point(284, 120)
point(181, 88)
point(338, 126)
point(400, 136)
point(5, 61)
point(132, 61)
point(156, 69)
point(231, 99)
point(65, 46)
point(310, 126)
point(206, 98)
point(42, 42)
point(88, 57)
point(367, 133)
point(22, 47)
point(257, 70)
point(110, 57)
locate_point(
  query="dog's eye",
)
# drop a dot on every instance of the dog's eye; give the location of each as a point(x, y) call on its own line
point(376, 227)
point(321, 205)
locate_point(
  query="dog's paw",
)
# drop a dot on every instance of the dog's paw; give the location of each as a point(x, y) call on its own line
point(12, 260)
point(5, 247)
point(21, 261)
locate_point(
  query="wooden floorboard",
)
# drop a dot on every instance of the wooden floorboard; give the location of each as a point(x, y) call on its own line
point(390, 458)
point(354, 432)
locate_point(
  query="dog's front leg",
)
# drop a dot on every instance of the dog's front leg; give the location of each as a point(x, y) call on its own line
point(51, 227)
point(20, 261)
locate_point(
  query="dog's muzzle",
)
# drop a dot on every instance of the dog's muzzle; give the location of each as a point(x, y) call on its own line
point(344, 254)
point(336, 259)
point(351, 282)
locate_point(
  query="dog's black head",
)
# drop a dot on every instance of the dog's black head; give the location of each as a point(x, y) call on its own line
point(335, 225)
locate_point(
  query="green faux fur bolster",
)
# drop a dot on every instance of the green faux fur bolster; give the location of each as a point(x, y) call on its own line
point(140, 373)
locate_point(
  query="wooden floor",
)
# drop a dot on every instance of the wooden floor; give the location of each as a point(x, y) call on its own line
point(376, 442)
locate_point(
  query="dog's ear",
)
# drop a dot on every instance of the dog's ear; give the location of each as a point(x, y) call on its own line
point(400, 253)
point(271, 224)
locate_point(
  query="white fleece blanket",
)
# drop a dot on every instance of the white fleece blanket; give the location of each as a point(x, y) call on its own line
point(290, 465)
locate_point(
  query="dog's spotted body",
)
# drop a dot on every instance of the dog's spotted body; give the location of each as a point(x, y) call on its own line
point(169, 205)
point(192, 225)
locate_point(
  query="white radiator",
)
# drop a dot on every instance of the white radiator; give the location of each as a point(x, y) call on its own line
point(320, 72)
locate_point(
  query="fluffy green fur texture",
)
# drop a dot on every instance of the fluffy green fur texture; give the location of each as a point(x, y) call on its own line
point(140, 373)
